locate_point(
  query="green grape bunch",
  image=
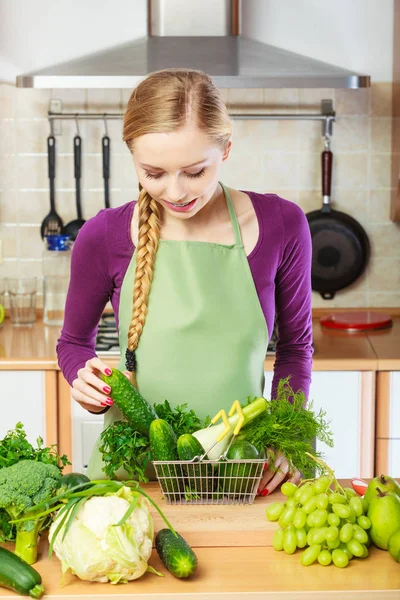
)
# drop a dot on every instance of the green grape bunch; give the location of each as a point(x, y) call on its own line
point(323, 519)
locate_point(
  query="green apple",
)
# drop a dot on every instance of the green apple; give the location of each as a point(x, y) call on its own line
point(394, 545)
point(384, 514)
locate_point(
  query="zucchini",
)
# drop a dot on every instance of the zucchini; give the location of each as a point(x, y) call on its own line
point(136, 410)
point(70, 480)
point(239, 477)
point(175, 553)
point(200, 476)
point(17, 575)
point(163, 447)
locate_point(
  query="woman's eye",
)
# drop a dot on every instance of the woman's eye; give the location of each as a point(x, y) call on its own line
point(194, 175)
point(153, 175)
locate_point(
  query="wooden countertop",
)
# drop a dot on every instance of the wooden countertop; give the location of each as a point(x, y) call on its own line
point(233, 546)
point(34, 348)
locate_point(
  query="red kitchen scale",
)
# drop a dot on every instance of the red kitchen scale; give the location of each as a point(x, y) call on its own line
point(358, 320)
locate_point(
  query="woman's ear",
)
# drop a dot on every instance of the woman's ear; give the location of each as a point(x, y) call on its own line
point(227, 150)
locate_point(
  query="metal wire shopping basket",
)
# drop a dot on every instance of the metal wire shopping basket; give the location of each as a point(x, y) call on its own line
point(204, 481)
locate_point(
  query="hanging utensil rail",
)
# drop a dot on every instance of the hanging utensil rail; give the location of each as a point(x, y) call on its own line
point(327, 116)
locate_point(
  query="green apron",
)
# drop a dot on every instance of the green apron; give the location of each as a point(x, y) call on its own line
point(205, 336)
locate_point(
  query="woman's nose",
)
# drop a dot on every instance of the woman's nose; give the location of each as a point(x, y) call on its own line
point(175, 191)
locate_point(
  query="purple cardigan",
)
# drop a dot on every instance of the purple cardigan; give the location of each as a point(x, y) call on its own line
point(280, 264)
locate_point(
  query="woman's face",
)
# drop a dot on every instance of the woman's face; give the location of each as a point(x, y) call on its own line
point(180, 169)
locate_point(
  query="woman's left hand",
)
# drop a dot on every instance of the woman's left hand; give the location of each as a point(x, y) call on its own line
point(275, 474)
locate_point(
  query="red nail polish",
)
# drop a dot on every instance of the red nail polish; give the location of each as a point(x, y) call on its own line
point(265, 467)
point(103, 403)
point(264, 493)
point(109, 402)
point(258, 491)
point(107, 389)
point(108, 372)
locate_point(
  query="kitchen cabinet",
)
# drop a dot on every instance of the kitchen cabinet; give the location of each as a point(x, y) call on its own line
point(30, 397)
point(348, 398)
point(387, 460)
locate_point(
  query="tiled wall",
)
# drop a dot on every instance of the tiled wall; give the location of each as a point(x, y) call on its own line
point(274, 156)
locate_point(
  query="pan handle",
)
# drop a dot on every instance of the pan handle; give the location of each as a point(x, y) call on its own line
point(326, 159)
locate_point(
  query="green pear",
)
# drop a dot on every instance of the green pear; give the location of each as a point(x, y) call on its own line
point(394, 545)
point(385, 483)
point(384, 514)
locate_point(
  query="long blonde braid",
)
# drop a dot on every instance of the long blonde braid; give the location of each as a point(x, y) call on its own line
point(148, 237)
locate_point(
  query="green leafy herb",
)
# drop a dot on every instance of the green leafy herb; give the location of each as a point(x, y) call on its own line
point(15, 447)
point(124, 447)
point(289, 426)
point(181, 418)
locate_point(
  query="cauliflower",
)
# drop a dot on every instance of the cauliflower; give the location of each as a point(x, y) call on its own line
point(95, 548)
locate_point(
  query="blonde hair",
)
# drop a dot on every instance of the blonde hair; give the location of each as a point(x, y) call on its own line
point(164, 102)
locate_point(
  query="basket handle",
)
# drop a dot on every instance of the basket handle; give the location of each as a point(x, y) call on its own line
point(221, 415)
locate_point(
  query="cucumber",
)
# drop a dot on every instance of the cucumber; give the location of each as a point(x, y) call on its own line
point(200, 476)
point(239, 476)
point(136, 410)
point(163, 447)
point(175, 553)
point(17, 575)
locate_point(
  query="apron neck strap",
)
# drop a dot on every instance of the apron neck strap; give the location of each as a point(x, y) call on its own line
point(232, 214)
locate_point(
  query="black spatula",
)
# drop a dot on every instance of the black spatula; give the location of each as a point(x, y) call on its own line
point(52, 224)
point(74, 226)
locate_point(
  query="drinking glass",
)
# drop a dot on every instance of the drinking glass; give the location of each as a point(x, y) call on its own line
point(22, 294)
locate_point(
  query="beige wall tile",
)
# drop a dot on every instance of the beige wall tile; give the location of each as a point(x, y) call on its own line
point(104, 100)
point(352, 102)
point(31, 136)
point(30, 244)
point(351, 297)
point(7, 137)
point(309, 171)
point(381, 99)
point(350, 171)
point(384, 274)
point(8, 170)
point(384, 299)
point(278, 101)
point(309, 136)
point(310, 99)
point(9, 236)
point(73, 100)
point(280, 170)
point(381, 134)
point(396, 134)
point(380, 170)
point(260, 137)
point(385, 239)
point(31, 103)
point(7, 100)
point(351, 134)
point(8, 206)
point(379, 206)
point(32, 172)
point(31, 268)
point(245, 96)
point(319, 302)
point(65, 141)
point(8, 268)
point(309, 200)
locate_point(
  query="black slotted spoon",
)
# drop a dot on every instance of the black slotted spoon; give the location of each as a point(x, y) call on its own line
point(52, 224)
point(72, 228)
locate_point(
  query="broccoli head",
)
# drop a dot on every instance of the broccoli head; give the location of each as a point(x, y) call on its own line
point(22, 486)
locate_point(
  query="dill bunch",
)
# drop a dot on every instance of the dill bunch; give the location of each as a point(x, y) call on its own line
point(290, 425)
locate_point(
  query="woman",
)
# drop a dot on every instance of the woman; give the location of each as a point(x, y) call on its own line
point(195, 271)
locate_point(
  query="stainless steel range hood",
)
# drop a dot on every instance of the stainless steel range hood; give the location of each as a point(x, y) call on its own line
point(200, 38)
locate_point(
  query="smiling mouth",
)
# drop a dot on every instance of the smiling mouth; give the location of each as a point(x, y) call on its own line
point(180, 203)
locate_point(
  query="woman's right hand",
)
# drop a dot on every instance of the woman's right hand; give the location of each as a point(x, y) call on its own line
point(89, 390)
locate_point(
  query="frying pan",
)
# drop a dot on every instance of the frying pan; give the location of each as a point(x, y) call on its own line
point(72, 228)
point(340, 245)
